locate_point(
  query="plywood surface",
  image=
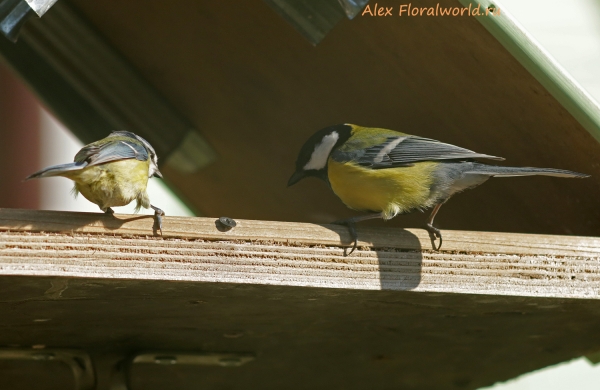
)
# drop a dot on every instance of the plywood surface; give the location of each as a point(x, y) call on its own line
point(488, 307)
point(290, 254)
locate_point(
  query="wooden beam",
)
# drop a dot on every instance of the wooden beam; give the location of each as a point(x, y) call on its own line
point(51, 243)
point(73, 69)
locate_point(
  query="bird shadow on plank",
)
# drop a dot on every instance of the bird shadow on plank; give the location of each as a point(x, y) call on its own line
point(398, 252)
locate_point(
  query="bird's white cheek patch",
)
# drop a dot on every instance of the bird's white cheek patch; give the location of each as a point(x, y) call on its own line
point(153, 169)
point(319, 156)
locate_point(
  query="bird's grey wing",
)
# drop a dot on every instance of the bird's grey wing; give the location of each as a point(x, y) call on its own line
point(111, 151)
point(407, 150)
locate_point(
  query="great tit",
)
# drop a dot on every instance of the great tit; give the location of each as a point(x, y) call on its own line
point(388, 173)
point(112, 172)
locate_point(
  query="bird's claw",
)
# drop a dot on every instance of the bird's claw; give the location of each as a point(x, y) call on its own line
point(159, 221)
point(434, 233)
point(158, 214)
point(353, 234)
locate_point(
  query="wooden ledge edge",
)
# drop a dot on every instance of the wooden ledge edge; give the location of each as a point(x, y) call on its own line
point(294, 233)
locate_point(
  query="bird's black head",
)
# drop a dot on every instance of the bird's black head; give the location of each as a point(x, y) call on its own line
point(312, 159)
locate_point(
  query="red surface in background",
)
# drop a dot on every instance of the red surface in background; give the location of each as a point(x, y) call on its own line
point(19, 142)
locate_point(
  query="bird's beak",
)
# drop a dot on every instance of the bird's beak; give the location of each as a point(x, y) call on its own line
point(157, 174)
point(296, 177)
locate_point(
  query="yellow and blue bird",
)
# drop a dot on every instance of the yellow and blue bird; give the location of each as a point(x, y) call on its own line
point(112, 172)
point(386, 172)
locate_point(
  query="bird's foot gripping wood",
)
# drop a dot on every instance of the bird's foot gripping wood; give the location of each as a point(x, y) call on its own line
point(350, 223)
point(158, 214)
point(109, 211)
point(352, 228)
point(433, 234)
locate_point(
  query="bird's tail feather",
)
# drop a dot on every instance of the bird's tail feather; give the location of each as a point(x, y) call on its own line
point(57, 170)
point(499, 171)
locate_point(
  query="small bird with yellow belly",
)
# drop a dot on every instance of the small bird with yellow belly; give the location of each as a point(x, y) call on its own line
point(387, 172)
point(112, 172)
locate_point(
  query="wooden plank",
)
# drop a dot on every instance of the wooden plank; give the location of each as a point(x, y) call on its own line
point(51, 243)
point(367, 339)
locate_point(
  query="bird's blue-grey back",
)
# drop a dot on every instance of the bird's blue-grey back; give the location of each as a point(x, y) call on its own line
point(112, 151)
point(403, 151)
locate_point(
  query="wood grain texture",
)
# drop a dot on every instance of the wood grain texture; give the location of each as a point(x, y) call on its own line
point(50, 243)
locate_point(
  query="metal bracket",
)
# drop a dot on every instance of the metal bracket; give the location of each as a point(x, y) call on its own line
point(79, 362)
point(84, 371)
point(119, 379)
point(13, 15)
point(41, 6)
point(198, 359)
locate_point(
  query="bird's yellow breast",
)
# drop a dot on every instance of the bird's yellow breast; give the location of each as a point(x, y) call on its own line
point(113, 184)
point(391, 190)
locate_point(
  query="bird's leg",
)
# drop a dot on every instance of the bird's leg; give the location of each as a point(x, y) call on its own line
point(158, 214)
point(433, 231)
point(350, 224)
point(108, 211)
